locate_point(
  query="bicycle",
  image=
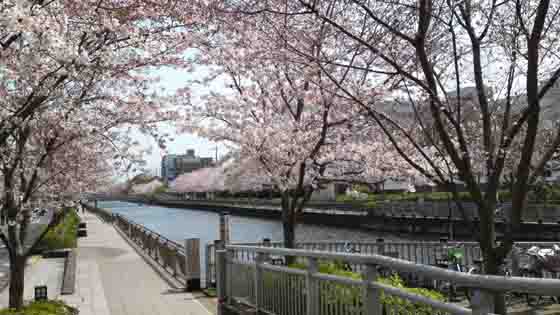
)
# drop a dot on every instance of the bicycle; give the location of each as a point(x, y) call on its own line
point(350, 250)
point(452, 261)
point(539, 261)
point(510, 297)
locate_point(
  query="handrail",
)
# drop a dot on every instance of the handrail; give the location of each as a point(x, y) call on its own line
point(159, 236)
point(487, 282)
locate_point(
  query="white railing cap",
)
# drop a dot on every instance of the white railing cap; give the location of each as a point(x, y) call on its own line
point(492, 283)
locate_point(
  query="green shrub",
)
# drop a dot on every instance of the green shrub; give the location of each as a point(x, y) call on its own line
point(160, 190)
point(64, 234)
point(344, 198)
point(371, 204)
point(334, 293)
point(42, 308)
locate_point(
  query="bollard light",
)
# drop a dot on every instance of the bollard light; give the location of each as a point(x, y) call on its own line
point(41, 293)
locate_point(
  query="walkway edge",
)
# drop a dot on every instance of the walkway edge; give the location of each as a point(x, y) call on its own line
point(162, 273)
point(149, 260)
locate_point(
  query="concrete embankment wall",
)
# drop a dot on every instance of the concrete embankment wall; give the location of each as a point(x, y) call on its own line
point(427, 226)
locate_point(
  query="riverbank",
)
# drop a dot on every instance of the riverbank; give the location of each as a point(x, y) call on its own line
point(407, 226)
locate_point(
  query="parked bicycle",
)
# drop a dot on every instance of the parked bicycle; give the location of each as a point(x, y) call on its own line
point(503, 270)
point(452, 260)
point(541, 260)
point(350, 250)
point(538, 261)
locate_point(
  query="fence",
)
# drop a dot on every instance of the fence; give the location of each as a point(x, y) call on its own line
point(167, 253)
point(425, 253)
point(101, 213)
point(271, 289)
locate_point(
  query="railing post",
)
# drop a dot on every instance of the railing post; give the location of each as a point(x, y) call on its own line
point(224, 227)
point(380, 246)
point(371, 296)
point(312, 288)
point(229, 274)
point(258, 281)
point(192, 264)
point(218, 245)
point(267, 243)
point(482, 302)
point(515, 261)
point(221, 275)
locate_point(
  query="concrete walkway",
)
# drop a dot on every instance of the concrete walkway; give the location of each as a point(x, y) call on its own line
point(113, 279)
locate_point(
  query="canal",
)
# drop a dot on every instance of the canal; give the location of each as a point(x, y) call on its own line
point(178, 224)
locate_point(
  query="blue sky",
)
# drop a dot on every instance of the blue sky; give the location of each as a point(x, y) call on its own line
point(171, 80)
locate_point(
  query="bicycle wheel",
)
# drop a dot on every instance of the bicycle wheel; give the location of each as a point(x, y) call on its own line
point(531, 300)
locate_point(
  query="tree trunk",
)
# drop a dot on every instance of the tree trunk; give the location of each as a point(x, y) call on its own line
point(288, 224)
point(17, 272)
point(492, 267)
point(493, 256)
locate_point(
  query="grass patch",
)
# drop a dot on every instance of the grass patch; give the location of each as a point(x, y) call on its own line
point(63, 235)
point(42, 308)
point(210, 292)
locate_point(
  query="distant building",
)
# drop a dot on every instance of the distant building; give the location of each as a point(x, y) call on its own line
point(173, 165)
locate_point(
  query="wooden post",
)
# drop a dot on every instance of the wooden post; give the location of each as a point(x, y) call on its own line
point(224, 227)
point(312, 288)
point(482, 303)
point(192, 264)
point(221, 275)
point(371, 297)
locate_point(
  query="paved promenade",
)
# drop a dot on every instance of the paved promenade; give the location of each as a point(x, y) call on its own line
point(112, 279)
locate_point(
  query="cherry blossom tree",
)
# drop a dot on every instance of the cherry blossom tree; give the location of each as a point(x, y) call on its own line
point(287, 120)
point(208, 179)
point(74, 70)
point(494, 61)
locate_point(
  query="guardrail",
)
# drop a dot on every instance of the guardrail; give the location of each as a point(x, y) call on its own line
point(425, 252)
point(104, 215)
point(167, 253)
point(271, 289)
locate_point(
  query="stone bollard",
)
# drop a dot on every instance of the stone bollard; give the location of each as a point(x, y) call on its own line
point(192, 264)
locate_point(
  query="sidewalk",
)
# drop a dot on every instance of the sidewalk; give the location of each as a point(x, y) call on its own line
point(113, 279)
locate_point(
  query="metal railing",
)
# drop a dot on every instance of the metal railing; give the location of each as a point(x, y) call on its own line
point(282, 290)
point(167, 253)
point(103, 214)
point(425, 253)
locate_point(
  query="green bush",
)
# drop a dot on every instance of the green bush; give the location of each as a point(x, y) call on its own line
point(340, 293)
point(160, 190)
point(64, 234)
point(42, 308)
